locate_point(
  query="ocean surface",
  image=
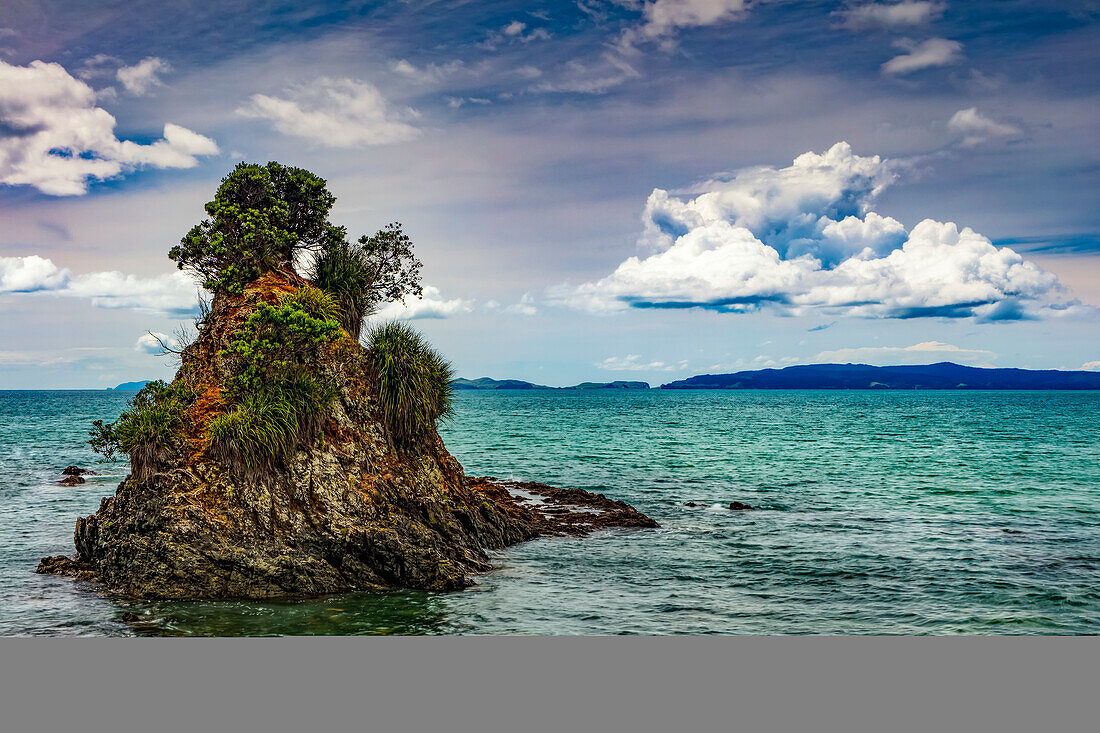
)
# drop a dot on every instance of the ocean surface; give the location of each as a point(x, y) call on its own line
point(877, 513)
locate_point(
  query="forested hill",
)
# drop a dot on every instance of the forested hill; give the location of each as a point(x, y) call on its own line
point(487, 383)
point(944, 375)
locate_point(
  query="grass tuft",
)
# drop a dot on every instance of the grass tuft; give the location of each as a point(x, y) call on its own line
point(413, 381)
point(147, 430)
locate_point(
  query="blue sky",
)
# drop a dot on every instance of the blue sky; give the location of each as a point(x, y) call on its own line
point(599, 190)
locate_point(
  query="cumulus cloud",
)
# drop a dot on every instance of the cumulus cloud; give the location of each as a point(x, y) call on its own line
point(341, 113)
point(924, 55)
point(171, 294)
point(143, 76)
point(55, 138)
point(892, 15)
point(928, 351)
point(154, 342)
point(974, 128)
point(30, 274)
point(431, 304)
point(634, 363)
point(803, 237)
point(1091, 366)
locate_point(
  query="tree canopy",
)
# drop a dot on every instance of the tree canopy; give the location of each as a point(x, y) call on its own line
point(263, 216)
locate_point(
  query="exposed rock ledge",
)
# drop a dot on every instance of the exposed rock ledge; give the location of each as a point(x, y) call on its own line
point(157, 541)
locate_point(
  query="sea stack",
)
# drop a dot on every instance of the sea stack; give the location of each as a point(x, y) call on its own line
point(288, 459)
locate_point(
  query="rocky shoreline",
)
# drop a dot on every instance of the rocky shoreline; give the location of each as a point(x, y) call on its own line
point(521, 511)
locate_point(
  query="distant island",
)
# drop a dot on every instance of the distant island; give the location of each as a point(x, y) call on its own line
point(487, 383)
point(131, 386)
point(944, 375)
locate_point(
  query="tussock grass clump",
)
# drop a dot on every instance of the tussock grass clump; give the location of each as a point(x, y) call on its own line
point(314, 302)
point(413, 381)
point(147, 430)
point(266, 427)
point(346, 271)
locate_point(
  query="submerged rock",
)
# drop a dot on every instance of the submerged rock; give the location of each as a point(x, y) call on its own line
point(71, 481)
point(348, 510)
point(77, 471)
point(739, 507)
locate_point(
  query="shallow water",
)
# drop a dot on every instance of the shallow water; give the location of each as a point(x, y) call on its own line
point(877, 513)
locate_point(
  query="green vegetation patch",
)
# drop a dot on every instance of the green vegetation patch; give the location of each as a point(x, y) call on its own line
point(149, 428)
point(413, 381)
point(279, 390)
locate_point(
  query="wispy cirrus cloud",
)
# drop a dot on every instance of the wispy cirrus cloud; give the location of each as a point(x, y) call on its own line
point(339, 113)
point(56, 139)
point(973, 128)
point(143, 76)
point(635, 363)
point(907, 13)
point(927, 54)
point(927, 351)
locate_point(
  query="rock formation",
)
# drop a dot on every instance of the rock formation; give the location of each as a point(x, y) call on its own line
point(348, 509)
point(286, 458)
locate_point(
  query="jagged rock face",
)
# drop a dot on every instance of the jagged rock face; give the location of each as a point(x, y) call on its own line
point(349, 511)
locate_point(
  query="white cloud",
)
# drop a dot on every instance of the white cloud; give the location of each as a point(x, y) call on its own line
point(56, 138)
point(662, 20)
point(892, 15)
point(34, 358)
point(1091, 366)
point(928, 351)
point(30, 274)
point(803, 237)
point(634, 363)
point(457, 102)
point(142, 76)
point(513, 32)
point(153, 342)
point(525, 306)
point(99, 67)
point(341, 113)
point(925, 55)
point(666, 16)
point(425, 74)
point(974, 128)
point(431, 304)
point(173, 294)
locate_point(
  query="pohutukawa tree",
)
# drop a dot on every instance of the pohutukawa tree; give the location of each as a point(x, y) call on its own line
point(263, 217)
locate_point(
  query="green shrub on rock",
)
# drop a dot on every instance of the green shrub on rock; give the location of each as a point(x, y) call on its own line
point(377, 269)
point(413, 381)
point(148, 428)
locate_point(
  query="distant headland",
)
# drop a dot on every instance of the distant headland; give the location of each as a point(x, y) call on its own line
point(944, 375)
point(487, 383)
point(131, 386)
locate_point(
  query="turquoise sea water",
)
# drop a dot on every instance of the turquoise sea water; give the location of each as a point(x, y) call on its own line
point(878, 513)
